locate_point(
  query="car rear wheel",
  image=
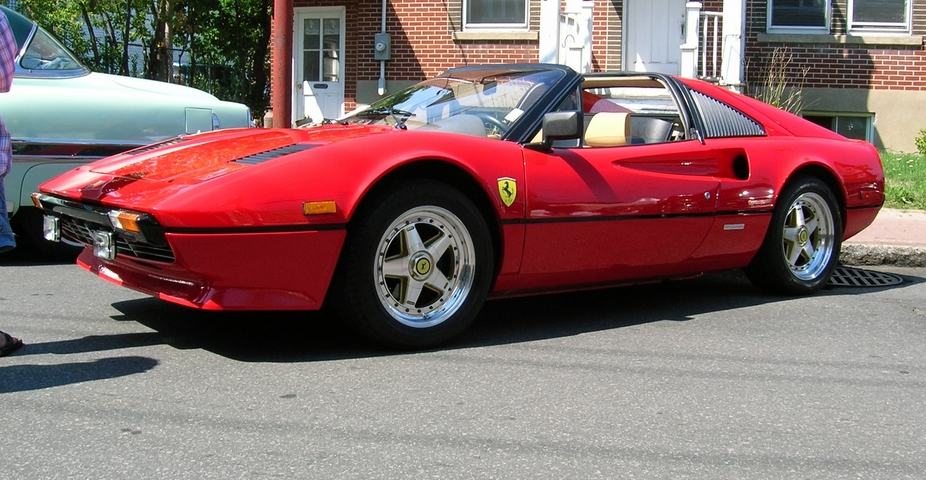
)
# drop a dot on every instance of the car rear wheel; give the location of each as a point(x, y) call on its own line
point(416, 267)
point(801, 247)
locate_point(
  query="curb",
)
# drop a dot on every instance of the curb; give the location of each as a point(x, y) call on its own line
point(857, 254)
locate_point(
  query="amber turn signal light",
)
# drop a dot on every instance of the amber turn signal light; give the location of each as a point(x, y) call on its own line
point(127, 221)
point(318, 208)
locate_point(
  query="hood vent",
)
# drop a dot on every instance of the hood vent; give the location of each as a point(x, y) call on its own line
point(162, 143)
point(275, 153)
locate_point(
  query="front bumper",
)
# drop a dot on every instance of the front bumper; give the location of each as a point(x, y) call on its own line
point(251, 271)
point(254, 269)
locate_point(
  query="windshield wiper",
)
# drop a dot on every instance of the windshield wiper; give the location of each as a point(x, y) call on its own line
point(392, 112)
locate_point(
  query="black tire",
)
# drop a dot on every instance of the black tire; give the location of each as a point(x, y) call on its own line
point(801, 247)
point(28, 224)
point(416, 266)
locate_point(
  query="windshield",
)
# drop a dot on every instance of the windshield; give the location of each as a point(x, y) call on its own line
point(45, 53)
point(485, 106)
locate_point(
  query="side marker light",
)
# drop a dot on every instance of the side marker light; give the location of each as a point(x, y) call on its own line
point(319, 208)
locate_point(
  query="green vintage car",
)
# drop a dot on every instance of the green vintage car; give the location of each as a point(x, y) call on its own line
point(61, 115)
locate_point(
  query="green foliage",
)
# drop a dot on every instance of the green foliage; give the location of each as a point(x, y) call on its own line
point(921, 141)
point(223, 45)
point(98, 31)
point(905, 180)
point(232, 63)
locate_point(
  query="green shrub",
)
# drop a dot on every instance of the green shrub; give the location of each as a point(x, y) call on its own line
point(921, 142)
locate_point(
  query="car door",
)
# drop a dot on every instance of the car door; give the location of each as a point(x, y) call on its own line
point(600, 214)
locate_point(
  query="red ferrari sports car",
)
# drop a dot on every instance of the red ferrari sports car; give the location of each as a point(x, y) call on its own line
point(484, 182)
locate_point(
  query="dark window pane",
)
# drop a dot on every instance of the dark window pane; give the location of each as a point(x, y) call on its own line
point(879, 11)
point(312, 36)
point(496, 11)
point(852, 127)
point(799, 13)
point(331, 66)
point(310, 66)
point(825, 122)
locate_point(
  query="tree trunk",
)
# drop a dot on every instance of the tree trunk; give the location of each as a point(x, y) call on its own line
point(160, 58)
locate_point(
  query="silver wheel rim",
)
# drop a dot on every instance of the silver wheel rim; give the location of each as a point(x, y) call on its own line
point(424, 266)
point(808, 237)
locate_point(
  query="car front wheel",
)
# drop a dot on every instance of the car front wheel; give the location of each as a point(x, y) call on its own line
point(801, 247)
point(416, 267)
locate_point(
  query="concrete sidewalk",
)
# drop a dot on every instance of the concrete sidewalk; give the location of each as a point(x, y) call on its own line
point(897, 237)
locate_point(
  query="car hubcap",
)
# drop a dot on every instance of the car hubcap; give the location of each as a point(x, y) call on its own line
point(808, 239)
point(424, 266)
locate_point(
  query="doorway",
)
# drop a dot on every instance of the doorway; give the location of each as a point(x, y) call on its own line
point(318, 67)
point(654, 31)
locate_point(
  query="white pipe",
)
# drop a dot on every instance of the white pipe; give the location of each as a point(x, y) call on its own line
point(381, 86)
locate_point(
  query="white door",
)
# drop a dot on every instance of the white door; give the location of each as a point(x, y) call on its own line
point(575, 35)
point(654, 31)
point(318, 68)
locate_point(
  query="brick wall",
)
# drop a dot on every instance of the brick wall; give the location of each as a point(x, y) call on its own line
point(876, 67)
point(607, 33)
point(422, 41)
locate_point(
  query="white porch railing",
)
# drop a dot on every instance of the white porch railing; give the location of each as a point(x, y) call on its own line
point(710, 46)
point(703, 49)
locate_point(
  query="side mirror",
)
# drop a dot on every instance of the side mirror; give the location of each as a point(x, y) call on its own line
point(567, 125)
point(562, 126)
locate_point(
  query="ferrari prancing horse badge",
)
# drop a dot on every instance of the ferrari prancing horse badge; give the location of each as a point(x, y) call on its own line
point(507, 189)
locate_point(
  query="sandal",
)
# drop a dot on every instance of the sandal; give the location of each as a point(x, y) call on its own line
point(11, 344)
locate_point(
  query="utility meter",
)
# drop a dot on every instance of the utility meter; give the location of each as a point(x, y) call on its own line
point(382, 46)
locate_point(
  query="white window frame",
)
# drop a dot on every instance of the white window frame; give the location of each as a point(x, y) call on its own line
point(519, 27)
point(882, 27)
point(795, 29)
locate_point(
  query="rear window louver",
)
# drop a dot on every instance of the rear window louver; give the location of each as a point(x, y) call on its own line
point(722, 120)
point(275, 153)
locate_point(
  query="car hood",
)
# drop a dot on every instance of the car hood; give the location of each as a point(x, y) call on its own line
point(105, 84)
point(160, 170)
point(108, 109)
point(103, 81)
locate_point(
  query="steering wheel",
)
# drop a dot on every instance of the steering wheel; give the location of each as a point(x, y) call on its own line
point(491, 122)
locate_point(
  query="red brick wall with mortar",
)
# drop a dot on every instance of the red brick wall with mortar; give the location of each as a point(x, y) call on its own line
point(423, 44)
point(871, 67)
point(422, 41)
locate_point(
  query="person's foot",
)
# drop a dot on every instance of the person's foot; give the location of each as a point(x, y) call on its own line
point(9, 344)
point(6, 248)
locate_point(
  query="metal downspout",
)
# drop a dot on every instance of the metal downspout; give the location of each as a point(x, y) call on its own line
point(381, 86)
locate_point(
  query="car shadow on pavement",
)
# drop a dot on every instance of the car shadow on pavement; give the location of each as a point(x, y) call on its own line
point(25, 255)
point(261, 336)
point(316, 336)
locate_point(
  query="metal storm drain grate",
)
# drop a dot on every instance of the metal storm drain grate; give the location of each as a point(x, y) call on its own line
point(854, 277)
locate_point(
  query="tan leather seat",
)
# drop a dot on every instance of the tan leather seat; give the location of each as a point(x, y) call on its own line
point(608, 129)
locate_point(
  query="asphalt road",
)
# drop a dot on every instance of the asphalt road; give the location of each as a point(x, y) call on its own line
point(697, 379)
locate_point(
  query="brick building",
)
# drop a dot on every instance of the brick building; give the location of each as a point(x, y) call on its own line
point(860, 63)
